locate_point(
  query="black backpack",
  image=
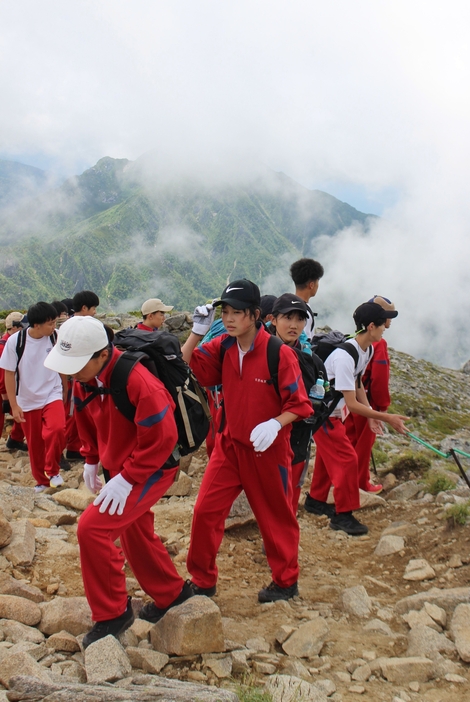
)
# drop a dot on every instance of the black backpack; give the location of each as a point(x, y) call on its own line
point(324, 344)
point(20, 347)
point(160, 353)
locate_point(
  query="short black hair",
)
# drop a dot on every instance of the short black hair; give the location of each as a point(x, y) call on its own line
point(60, 307)
point(360, 328)
point(304, 270)
point(68, 302)
point(85, 298)
point(40, 313)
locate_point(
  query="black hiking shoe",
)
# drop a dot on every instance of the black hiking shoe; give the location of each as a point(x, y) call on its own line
point(316, 507)
point(108, 627)
point(345, 521)
point(64, 464)
point(274, 592)
point(204, 591)
point(73, 456)
point(151, 613)
point(13, 445)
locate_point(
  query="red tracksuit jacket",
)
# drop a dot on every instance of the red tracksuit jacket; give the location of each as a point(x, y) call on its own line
point(376, 377)
point(134, 449)
point(249, 397)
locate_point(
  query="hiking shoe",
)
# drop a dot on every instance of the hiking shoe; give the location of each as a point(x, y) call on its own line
point(112, 627)
point(73, 456)
point(55, 481)
point(13, 445)
point(204, 591)
point(345, 521)
point(316, 507)
point(40, 488)
point(151, 613)
point(274, 592)
point(374, 489)
point(64, 464)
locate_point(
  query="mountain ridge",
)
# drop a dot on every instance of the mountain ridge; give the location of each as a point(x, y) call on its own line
point(128, 233)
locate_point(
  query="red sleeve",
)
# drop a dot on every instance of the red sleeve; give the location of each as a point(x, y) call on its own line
point(86, 429)
point(291, 387)
point(378, 378)
point(155, 425)
point(205, 362)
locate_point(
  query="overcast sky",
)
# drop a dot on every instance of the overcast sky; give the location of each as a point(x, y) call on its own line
point(367, 100)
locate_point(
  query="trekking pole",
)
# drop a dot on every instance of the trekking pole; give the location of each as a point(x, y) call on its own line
point(462, 472)
point(373, 462)
point(452, 453)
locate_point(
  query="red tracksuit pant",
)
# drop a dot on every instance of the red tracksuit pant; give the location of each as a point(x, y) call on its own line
point(17, 433)
point(362, 438)
point(335, 464)
point(102, 561)
point(216, 413)
point(299, 471)
point(266, 480)
point(72, 440)
point(45, 433)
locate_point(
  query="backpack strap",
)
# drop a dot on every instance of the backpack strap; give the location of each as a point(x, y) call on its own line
point(273, 353)
point(117, 385)
point(20, 347)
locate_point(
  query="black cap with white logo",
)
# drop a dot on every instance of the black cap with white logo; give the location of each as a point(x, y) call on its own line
point(240, 294)
point(290, 303)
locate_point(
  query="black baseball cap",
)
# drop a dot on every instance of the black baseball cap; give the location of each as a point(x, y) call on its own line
point(290, 303)
point(240, 294)
point(371, 312)
point(267, 302)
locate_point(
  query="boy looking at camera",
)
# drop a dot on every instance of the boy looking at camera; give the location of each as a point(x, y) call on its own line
point(252, 452)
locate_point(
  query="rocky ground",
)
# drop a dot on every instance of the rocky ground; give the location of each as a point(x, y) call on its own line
point(384, 617)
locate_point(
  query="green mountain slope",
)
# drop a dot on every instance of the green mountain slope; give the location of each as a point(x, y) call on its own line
point(128, 236)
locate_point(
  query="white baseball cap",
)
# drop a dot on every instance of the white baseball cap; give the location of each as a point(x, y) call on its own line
point(77, 340)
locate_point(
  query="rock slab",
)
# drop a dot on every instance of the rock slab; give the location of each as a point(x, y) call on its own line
point(355, 600)
point(288, 688)
point(71, 614)
point(404, 670)
point(308, 640)
point(162, 689)
point(19, 609)
point(460, 631)
point(191, 628)
point(106, 661)
point(22, 547)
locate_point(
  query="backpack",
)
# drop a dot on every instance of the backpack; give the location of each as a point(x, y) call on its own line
point(324, 344)
point(160, 353)
point(20, 347)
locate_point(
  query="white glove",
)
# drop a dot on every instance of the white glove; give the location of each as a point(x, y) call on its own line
point(203, 316)
point(264, 434)
point(114, 493)
point(90, 476)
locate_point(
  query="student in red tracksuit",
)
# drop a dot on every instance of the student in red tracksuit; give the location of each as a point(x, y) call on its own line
point(153, 313)
point(138, 459)
point(375, 380)
point(252, 452)
point(72, 440)
point(288, 315)
point(336, 461)
point(36, 395)
point(15, 441)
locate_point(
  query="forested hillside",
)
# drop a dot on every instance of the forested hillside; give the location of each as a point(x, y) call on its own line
point(128, 233)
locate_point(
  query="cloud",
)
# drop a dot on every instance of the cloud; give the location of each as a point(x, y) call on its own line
point(370, 94)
